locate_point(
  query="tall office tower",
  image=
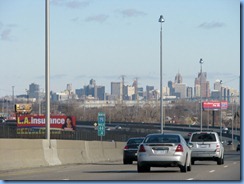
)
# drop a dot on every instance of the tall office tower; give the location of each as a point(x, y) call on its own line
point(178, 78)
point(205, 89)
point(148, 90)
point(33, 91)
point(180, 88)
point(189, 92)
point(171, 88)
point(116, 90)
point(217, 85)
point(69, 88)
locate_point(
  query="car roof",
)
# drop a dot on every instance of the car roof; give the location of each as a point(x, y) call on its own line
point(167, 133)
point(136, 138)
point(204, 132)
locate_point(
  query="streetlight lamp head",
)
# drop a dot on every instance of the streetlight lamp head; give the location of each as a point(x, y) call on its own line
point(161, 19)
point(201, 61)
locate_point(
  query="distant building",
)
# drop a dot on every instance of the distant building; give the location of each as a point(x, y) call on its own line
point(181, 89)
point(205, 88)
point(149, 94)
point(129, 91)
point(189, 92)
point(116, 90)
point(178, 78)
point(171, 88)
point(34, 90)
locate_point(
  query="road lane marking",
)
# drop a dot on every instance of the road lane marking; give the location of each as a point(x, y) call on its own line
point(212, 171)
point(226, 166)
point(190, 179)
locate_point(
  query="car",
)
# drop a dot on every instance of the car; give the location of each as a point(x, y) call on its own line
point(238, 147)
point(206, 146)
point(130, 150)
point(225, 130)
point(164, 150)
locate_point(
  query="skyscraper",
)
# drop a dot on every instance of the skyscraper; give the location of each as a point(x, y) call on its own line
point(204, 86)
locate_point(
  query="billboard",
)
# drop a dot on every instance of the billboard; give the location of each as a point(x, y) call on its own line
point(38, 121)
point(23, 108)
point(215, 105)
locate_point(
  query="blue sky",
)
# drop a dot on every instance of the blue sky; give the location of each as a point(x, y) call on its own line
point(105, 39)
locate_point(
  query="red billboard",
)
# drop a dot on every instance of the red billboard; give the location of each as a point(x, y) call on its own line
point(38, 121)
point(214, 105)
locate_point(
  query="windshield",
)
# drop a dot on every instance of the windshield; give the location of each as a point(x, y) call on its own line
point(203, 137)
point(163, 139)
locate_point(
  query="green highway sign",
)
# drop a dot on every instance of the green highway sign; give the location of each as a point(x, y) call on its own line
point(101, 118)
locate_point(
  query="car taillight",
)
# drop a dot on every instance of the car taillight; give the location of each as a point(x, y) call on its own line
point(179, 148)
point(126, 147)
point(142, 149)
point(217, 148)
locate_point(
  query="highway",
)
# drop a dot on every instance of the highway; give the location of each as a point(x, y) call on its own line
point(116, 171)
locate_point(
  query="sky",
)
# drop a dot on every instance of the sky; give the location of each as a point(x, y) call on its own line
point(105, 39)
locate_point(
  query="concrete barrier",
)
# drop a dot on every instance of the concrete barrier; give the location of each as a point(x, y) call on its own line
point(28, 153)
point(19, 153)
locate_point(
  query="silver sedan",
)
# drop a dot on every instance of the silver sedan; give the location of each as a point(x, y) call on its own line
point(164, 150)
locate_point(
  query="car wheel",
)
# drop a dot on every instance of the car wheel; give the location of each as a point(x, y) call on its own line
point(143, 168)
point(183, 168)
point(125, 161)
point(192, 161)
point(189, 166)
point(219, 161)
point(222, 160)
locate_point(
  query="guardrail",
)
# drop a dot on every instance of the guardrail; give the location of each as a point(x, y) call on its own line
point(91, 134)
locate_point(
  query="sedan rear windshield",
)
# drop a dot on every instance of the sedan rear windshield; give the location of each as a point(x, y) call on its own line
point(163, 139)
point(203, 137)
point(135, 141)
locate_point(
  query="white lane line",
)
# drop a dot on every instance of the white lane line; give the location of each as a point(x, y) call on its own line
point(190, 179)
point(212, 171)
point(234, 162)
point(226, 166)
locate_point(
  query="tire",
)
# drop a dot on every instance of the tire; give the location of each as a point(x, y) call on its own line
point(143, 168)
point(219, 161)
point(189, 167)
point(192, 161)
point(183, 168)
point(222, 160)
point(125, 161)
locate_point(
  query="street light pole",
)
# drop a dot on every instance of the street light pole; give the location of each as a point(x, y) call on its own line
point(232, 118)
point(161, 20)
point(221, 109)
point(47, 73)
point(201, 62)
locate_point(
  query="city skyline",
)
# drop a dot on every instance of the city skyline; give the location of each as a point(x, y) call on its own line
point(176, 80)
point(122, 38)
point(127, 83)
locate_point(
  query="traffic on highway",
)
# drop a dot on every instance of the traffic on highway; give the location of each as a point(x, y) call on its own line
point(117, 171)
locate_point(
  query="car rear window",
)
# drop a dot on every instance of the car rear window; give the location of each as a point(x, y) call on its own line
point(203, 137)
point(135, 141)
point(163, 139)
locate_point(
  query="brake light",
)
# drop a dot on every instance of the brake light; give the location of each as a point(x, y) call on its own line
point(126, 147)
point(217, 148)
point(179, 148)
point(142, 149)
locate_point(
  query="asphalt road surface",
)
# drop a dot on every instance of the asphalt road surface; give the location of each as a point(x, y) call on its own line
point(116, 171)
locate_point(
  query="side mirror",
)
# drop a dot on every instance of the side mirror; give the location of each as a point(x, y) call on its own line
point(190, 145)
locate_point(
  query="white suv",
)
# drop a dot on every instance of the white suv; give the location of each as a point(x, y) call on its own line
point(206, 146)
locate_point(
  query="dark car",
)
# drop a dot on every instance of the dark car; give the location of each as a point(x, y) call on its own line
point(238, 147)
point(130, 150)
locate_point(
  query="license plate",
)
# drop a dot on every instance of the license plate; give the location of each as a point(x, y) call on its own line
point(203, 146)
point(160, 151)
